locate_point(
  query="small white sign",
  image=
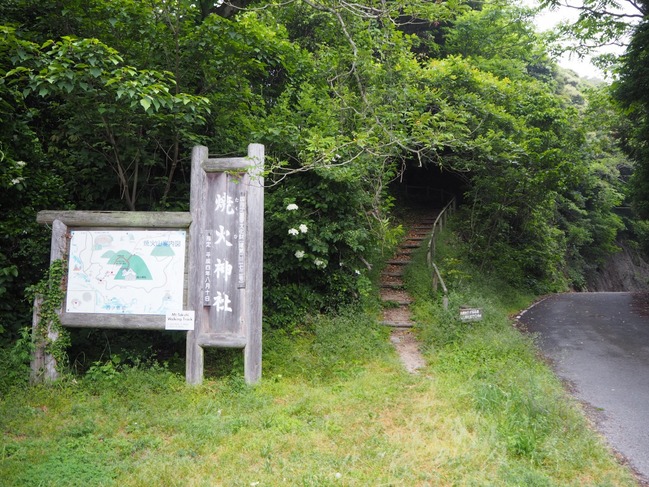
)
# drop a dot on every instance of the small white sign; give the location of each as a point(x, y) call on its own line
point(179, 320)
point(470, 314)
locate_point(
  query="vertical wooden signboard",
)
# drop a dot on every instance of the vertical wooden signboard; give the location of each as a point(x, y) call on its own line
point(225, 267)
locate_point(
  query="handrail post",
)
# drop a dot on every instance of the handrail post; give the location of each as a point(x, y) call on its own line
point(430, 256)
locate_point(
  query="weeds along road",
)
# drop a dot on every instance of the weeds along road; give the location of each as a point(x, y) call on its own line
point(599, 343)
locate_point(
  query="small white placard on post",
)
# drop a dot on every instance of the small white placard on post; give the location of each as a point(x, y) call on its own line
point(179, 320)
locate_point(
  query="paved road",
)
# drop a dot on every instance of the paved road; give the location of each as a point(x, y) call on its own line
point(599, 343)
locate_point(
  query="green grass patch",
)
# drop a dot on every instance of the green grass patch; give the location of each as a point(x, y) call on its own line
point(491, 373)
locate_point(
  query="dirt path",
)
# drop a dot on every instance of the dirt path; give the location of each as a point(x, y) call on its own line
point(396, 312)
point(407, 347)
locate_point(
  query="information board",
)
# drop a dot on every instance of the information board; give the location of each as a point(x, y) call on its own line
point(126, 272)
point(470, 314)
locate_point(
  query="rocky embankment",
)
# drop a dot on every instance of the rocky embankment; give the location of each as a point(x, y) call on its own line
point(626, 270)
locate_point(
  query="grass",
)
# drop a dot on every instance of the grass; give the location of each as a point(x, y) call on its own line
point(335, 407)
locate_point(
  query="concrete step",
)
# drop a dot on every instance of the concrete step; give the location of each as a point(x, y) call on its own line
point(392, 285)
point(403, 324)
point(398, 301)
point(392, 274)
point(395, 296)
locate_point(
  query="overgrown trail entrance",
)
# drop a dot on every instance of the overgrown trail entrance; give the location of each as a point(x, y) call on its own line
point(396, 300)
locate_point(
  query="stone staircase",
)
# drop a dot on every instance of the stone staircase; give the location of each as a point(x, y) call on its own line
point(396, 312)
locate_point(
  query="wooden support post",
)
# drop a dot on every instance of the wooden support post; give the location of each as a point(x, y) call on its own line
point(43, 364)
point(194, 352)
point(254, 277)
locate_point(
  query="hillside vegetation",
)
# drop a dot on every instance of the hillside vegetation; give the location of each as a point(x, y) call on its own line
point(101, 102)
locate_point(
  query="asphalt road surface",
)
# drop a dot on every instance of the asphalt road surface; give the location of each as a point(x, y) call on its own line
point(599, 344)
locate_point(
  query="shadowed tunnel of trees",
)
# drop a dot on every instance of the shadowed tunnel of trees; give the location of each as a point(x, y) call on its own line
point(430, 186)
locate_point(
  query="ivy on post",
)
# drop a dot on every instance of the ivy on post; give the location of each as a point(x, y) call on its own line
point(225, 268)
point(48, 301)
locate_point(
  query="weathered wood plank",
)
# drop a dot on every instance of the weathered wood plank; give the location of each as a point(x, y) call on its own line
point(194, 361)
point(227, 216)
point(121, 322)
point(227, 164)
point(226, 196)
point(224, 340)
point(129, 219)
point(43, 365)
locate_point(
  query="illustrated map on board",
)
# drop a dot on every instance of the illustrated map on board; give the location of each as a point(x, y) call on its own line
point(126, 272)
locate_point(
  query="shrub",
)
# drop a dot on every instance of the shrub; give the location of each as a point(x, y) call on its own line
point(318, 239)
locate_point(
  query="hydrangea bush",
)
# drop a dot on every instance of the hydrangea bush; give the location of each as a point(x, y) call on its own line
point(318, 239)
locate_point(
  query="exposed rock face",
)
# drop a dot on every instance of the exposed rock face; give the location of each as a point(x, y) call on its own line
point(627, 270)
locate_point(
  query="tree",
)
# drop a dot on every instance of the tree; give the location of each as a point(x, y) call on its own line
point(27, 182)
point(599, 24)
point(630, 90)
point(111, 114)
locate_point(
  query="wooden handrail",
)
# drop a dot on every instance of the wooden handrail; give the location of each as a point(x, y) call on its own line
point(437, 278)
point(440, 221)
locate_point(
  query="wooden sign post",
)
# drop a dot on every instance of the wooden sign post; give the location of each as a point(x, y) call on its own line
point(225, 269)
point(125, 269)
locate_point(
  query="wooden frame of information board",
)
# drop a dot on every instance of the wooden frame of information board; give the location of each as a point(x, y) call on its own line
point(226, 207)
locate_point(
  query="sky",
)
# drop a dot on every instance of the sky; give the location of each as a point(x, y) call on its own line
point(548, 19)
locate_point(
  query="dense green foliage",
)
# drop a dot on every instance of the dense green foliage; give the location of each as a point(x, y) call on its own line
point(101, 102)
point(630, 90)
point(624, 24)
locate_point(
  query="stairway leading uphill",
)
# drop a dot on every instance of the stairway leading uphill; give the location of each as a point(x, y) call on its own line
point(396, 312)
point(397, 301)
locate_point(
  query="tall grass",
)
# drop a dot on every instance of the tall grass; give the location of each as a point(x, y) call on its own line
point(335, 407)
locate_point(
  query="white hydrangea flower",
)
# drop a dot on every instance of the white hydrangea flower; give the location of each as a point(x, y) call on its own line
point(320, 264)
point(292, 207)
point(299, 254)
point(293, 231)
point(303, 228)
